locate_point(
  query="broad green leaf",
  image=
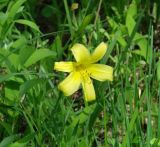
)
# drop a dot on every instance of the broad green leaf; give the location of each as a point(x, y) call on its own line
point(122, 41)
point(9, 59)
point(14, 59)
point(17, 144)
point(130, 17)
point(3, 18)
point(23, 141)
point(19, 43)
point(130, 23)
point(132, 10)
point(14, 9)
point(8, 140)
point(12, 94)
point(138, 37)
point(39, 55)
point(123, 29)
point(25, 53)
point(143, 48)
point(28, 23)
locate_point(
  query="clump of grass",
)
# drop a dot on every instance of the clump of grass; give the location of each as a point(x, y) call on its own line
point(35, 34)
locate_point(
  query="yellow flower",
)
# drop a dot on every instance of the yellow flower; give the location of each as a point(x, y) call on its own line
point(84, 68)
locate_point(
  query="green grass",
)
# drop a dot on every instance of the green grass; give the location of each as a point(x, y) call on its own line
point(35, 34)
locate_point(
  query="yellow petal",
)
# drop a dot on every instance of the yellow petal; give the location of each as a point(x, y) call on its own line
point(80, 52)
point(99, 52)
point(88, 89)
point(64, 66)
point(100, 72)
point(70, 84)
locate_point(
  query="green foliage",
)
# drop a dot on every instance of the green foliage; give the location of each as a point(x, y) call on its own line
point(36, 33)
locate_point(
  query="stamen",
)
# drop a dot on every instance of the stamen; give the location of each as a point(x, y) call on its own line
point(83, 72)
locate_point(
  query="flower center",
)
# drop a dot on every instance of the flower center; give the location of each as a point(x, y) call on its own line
point(82, 69)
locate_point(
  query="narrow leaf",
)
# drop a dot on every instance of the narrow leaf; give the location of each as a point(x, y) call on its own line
point(39, 55)
point(28, 23)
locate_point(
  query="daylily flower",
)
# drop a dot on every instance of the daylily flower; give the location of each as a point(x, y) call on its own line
point(83, 70)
